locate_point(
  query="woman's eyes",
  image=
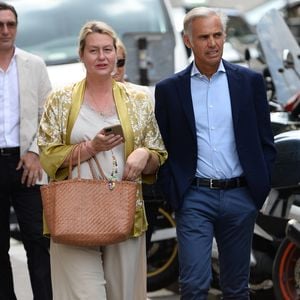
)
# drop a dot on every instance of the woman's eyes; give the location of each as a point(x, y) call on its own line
point(105, 50)
point(108, 49)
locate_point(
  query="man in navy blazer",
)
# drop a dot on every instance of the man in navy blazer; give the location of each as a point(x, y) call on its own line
point(215, 122)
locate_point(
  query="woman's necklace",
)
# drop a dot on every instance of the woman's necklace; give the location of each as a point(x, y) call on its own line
point(107, 111)
point(114, 172)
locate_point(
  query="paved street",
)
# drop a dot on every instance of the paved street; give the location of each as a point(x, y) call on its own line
point(21, 276)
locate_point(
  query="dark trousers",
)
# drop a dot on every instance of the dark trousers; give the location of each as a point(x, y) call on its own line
point(229, 215)
point(28, 208)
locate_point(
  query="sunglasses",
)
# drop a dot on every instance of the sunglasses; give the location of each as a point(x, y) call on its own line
point(121, 62)
point(10, 25)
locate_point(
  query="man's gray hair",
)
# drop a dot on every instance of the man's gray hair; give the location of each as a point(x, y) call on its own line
point(203, 12)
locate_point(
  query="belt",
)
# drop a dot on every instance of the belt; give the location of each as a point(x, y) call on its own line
point(9, 151)
point(220, 184)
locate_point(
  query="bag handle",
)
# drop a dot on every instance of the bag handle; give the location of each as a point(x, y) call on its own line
point(98, 167)
point(71, 161)
point(79, 146)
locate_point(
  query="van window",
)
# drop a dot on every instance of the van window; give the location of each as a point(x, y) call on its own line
point(50, 28)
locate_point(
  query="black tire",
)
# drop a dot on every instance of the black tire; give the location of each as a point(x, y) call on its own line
point(162, 256)
point(261, 287)
point(286, 271)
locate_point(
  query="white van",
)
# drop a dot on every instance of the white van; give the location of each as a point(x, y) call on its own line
point(50, 29)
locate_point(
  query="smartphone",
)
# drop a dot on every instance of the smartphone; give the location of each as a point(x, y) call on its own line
point(114, 129)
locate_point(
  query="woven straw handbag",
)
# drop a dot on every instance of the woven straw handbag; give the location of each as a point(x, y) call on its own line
point(89, 212)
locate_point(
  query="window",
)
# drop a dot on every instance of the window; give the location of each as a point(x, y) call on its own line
point(50, 28)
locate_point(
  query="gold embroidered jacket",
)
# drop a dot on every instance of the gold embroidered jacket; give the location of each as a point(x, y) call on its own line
point(135, 110)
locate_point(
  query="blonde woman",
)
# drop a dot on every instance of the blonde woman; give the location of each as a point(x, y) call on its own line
point(77, 115)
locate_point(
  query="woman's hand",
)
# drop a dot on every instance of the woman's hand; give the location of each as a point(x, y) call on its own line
point(136, 163)
point(102, 142)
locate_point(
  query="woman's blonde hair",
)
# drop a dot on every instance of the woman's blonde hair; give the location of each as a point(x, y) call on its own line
point(98, 27)
point(120, 46)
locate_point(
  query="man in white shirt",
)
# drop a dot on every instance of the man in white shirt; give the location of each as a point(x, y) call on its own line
point(24, 85)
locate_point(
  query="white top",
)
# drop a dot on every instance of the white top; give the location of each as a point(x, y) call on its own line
point(87, 125)
point(9, 106)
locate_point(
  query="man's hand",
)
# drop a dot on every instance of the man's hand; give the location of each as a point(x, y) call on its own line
point(32, 169)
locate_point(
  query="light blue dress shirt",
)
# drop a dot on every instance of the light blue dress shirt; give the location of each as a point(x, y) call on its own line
point(217, 155)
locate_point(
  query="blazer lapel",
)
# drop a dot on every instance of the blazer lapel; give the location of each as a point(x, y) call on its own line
point(22, 75)
point(183, 86)
point(25, 87)
point(235, 89)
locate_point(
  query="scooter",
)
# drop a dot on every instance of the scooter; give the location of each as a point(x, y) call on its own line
point(162, 249)
point(280, 52)
point(290, 286)
point(162, 260)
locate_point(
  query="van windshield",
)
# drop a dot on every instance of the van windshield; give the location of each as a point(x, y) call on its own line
point(50, 28)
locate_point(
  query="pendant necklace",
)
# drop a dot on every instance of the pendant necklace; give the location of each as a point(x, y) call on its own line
point(114, 171)
point(104, 113)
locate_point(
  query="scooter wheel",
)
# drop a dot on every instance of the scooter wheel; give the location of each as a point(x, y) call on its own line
point(286, 271)
point(162, 258)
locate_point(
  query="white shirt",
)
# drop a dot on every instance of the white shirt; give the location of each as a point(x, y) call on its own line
point(9, 106)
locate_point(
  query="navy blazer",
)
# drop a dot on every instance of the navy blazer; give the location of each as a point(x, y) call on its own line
point(252, 129)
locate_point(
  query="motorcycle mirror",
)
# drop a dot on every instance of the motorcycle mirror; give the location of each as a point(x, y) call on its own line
point(288, 59)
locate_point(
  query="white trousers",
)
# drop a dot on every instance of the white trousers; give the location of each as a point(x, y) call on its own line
point(115, 272)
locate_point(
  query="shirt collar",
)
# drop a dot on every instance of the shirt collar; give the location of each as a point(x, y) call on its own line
point(13, 59)
point(195, 71)
point(16, 53)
